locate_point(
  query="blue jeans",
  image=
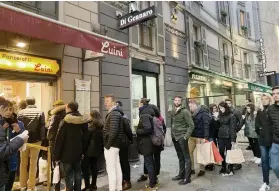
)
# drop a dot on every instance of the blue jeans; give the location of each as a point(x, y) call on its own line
point(265, 156)
point(2, 188)
point(274, 159)
point(72, 176)
point(149, 163)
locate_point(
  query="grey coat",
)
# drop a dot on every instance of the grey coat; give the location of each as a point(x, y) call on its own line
point(250, 128)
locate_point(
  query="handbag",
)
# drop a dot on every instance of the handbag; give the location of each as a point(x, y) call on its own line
point(235, 156)
point(205, 154)
point(217, 157)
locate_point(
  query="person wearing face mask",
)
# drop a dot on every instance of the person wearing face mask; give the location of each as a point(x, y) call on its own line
point(227, 136)
point(264, 131)
point(250, 133)
point(182, 126)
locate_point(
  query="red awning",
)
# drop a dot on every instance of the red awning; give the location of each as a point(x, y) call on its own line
point(29, 24)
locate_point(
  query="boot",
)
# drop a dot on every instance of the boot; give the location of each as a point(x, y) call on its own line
point(126, 185)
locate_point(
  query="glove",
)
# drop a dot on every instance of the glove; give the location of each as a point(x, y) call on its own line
point(24, 135)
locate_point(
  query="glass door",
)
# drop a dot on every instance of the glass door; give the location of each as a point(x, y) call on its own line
point(137, 94)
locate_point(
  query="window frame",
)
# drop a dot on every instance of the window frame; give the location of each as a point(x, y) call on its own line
point(144, 26)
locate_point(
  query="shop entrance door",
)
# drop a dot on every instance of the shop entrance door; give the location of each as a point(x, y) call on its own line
point(144, 84)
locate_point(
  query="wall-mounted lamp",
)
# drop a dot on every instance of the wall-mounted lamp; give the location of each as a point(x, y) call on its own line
point(217, 82)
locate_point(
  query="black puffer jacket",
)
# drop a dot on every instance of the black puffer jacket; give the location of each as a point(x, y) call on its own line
point(238, 118)
point(201, 120)
point(214, 127)
point(227, 127)
point(7, 149)
point(57, 115)
point(145, 130)
point(263, 128)
point(273, 115)
point(113, 130)
point(95, 139)
point(71, 141)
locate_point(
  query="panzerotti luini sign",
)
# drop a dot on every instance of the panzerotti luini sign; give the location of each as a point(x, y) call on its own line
point(135, 18)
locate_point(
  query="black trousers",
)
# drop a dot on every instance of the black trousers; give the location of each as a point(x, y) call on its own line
point(89, 164)
point(124, 162)
point(254, 142)
point(182, 151)
point(224, 145)
point(157, 159)
point(11, 181)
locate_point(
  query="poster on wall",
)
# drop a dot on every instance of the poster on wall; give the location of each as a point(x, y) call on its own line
point(83, 95)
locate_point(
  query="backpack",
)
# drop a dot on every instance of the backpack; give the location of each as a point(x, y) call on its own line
point(158, 136)
point(127, 135)
point(33, 127)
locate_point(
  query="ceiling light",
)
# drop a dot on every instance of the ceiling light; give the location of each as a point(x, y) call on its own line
point(21, 44)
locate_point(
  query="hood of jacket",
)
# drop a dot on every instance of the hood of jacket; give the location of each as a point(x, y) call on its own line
point(147, 109)
point(77, 118)
point(58, 109)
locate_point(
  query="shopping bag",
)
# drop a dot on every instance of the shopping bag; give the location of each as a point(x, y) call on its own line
point(205, 154)
point(42, 170)
point(217, 157)
point(235, 156)
point(56, 175)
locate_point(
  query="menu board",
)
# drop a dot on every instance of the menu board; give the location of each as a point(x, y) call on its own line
point(83, 95)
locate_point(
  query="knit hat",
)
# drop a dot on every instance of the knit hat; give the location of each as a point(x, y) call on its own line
point(58, 102)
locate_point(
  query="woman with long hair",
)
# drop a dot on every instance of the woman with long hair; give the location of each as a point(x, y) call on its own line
point(250, 131)
point(95, 149)
point(226, 135)
point(264, 131)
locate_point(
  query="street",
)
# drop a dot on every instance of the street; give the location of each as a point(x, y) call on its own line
point(248, 179)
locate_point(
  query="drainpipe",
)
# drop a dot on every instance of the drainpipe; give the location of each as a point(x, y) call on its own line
point(82, 63)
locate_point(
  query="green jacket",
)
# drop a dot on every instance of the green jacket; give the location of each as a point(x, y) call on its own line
point(182, 124)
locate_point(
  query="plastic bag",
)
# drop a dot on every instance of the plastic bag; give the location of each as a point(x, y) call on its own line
point(42, 170)
point(56, 175)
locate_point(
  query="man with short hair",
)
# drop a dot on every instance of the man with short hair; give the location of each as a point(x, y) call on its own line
point(182, 126)
point(200, 134)
point(273, 115)
point(33, 119)
point(71, 145)
point(112, 135)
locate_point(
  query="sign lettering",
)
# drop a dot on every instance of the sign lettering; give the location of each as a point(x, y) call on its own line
point(198, 77)
point(26, 63)
point(107, 49)
point(135, 18)
point(267, 73)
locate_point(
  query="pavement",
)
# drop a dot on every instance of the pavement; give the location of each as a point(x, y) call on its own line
point(249, 178)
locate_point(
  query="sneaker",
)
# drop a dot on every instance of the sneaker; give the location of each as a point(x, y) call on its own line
point(264, 187)
point(258, 161)
point(142, 178)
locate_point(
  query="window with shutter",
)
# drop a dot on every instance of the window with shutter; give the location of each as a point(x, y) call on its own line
point(160, 29)
point(223, 12)
point(134, 31)
point(253, 69)
point(249, 32)
point(146, 29)
point(205, 53)
point(191, 42)
point(221, 51)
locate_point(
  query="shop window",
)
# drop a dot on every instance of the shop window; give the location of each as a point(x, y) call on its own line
point(146, 29)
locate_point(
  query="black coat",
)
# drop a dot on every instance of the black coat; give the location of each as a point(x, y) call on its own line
point(227, 127)
point(145, 130)
point(214, 127)
point(201, 120)
point(57, 115)
point(113, 130)
point(273, 115)
point(71, 141)
point(7, 149)
point(263, 128)
point(95, 146)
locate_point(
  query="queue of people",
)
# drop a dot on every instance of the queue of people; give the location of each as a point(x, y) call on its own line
point(78, 141)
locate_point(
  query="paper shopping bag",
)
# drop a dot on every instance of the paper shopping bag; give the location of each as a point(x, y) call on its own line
point(42, 170)
point(217, 157)
point(56, 175)
point(235, 156)
point(205, 154)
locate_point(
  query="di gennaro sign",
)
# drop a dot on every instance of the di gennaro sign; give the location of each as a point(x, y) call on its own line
point(135, 18)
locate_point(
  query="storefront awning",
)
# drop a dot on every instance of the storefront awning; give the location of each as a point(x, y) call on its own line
point(259, 87)
point(16, 20)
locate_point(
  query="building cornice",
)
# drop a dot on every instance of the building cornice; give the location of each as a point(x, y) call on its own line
point(122, 5)
point(135, 53)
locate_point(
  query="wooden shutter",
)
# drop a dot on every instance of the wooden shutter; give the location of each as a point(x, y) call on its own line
point(160, 29)
point(226, 8)
point(135, 33)
point(248, 21)
point(238, 21)
point(253, 69)
point(221, 50)
point(191, 42)
point(205, 52)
